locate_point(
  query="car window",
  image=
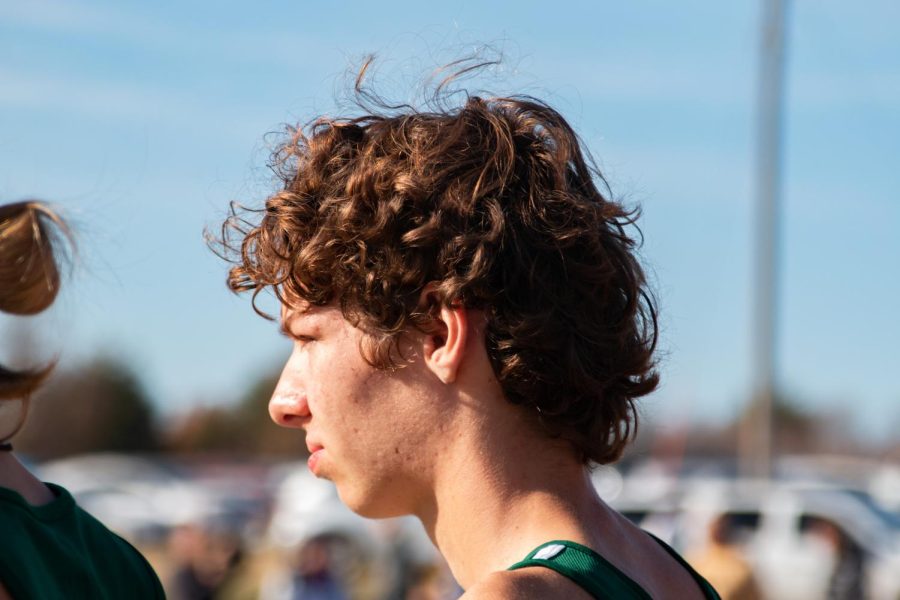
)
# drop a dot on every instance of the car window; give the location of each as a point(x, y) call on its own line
point(635, 516)
point(747, 521)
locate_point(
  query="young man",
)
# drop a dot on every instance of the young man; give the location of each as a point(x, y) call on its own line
point(471, 331)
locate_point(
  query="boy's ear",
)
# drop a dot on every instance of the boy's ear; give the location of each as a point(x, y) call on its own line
point(446, 337)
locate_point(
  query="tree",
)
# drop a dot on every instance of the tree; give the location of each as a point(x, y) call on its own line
point(100, 406)
point(244, 429)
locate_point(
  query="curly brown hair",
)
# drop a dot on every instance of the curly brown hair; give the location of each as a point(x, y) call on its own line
point(497, 202)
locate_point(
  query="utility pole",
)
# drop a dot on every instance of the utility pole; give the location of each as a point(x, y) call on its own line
point(755, 439)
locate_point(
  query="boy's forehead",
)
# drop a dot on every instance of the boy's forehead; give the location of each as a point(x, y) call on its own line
point(301, 310)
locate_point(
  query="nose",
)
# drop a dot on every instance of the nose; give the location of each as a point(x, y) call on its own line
point(288, 406)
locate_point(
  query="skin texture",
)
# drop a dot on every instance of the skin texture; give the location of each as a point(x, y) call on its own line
point(17, 478)
point(437, 439)
point(375, 428)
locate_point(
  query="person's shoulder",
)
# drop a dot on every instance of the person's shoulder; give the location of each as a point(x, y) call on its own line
point(533, 582)
point(131, 567)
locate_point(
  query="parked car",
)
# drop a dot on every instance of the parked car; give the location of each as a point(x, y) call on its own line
point(778, 525)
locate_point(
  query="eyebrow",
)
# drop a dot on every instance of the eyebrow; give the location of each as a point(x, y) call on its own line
point(285, 324)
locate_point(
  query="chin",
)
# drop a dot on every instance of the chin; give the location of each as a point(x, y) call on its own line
point(371, 504)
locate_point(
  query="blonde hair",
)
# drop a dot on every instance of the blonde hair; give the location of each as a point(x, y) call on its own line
point(30, 256)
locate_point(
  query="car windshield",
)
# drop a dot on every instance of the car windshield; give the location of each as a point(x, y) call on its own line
point(890, 519)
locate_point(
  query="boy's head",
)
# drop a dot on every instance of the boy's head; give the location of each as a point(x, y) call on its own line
point(496, 205)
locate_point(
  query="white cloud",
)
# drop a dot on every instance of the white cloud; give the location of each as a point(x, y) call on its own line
point(112, 100)
point(78, 18)
point(148, 31)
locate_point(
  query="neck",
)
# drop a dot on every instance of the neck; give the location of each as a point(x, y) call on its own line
point(16, 477)
point(504, 493)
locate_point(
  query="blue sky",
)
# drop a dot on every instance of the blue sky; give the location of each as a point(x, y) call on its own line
point(143, 120)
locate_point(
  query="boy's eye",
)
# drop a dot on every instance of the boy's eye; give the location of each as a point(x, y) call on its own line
point(295, 337)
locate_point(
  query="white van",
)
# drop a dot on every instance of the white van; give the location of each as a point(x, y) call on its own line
point(777, 525)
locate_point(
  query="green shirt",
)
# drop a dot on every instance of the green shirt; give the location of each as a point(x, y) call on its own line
point(57, 550)
point(596, 575)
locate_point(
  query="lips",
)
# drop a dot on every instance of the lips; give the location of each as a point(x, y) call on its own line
point(315, 454)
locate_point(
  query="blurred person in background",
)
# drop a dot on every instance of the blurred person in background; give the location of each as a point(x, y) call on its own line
point(205, 560)
point(724, 565)
point(429, 582)
point(420, 573)
point(50, 547)
point(472, 330)
point(847, 579)
point(312, 577)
